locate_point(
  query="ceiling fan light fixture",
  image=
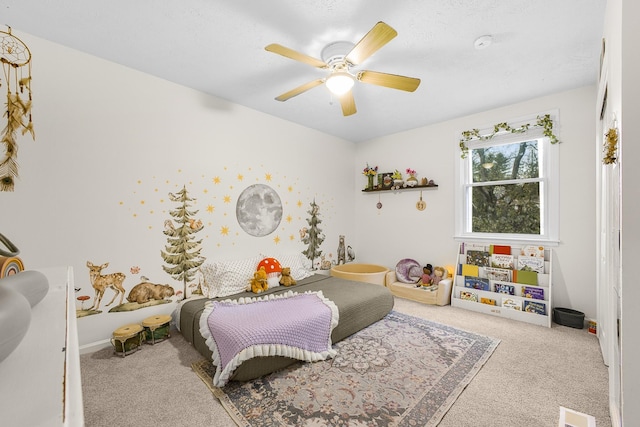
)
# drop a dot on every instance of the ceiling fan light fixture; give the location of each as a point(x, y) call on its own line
point(340, 82)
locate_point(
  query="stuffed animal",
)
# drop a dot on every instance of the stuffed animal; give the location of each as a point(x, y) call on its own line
point(286, 279)
point(439, 273)
point(425, 280)
point(259, 281)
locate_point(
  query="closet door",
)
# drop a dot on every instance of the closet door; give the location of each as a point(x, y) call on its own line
point(608, 239)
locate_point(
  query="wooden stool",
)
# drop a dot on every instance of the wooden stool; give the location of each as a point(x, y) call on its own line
point(157, 328)
point(127, 339)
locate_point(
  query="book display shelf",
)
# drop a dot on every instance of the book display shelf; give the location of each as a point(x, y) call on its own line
point(512, 281)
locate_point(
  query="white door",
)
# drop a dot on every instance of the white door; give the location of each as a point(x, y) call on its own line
point(609, 268)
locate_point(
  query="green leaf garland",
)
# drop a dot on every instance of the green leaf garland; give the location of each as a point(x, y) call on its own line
point(544, 122)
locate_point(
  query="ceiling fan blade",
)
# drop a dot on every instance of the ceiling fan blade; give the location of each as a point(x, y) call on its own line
point(300, 89)
point(348, 104)
point(377, 37)
point(297, 56)
point(393, 81)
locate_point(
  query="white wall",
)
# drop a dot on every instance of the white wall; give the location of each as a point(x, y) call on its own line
point(111, 143)
point(399, 230)
point(629, 93)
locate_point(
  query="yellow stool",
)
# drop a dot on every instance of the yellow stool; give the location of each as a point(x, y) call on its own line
point(127, 339)
point(157, 328)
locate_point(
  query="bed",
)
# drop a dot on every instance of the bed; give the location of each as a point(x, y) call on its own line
point(359, 305)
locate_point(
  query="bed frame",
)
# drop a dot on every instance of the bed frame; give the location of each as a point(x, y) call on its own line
point(359, 304)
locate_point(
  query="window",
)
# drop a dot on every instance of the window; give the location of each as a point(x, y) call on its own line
point(508, 189)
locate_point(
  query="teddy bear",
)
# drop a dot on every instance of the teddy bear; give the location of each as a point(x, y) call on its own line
point(286, 279)
point(259, 281)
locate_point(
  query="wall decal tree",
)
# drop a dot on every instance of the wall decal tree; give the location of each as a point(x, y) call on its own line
point(314, 236)
point(182, 253)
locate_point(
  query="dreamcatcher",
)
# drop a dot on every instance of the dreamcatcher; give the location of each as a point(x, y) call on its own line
point(16, 65)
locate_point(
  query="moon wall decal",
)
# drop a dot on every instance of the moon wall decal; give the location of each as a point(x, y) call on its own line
point(259, 210)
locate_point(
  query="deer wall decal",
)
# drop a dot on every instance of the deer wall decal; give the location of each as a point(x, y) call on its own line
point(101, 282)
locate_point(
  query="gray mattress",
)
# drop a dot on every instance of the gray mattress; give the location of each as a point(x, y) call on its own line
point(359, 304)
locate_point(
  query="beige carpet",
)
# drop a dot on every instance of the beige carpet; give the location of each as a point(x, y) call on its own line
point(533, 372)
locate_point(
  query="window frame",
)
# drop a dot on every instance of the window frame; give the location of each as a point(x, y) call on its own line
point(548, 155)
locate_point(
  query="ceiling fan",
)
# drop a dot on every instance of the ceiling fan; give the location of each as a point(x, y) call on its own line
point(339, 58)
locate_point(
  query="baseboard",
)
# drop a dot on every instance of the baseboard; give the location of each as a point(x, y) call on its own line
point(95, 346)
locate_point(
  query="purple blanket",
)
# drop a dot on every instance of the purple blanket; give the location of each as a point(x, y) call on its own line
point(293, 325)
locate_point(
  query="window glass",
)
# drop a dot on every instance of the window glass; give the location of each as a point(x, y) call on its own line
point(504, 199)
point(508, 189)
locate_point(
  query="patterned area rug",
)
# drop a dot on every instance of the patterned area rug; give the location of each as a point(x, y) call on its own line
point(400, 371)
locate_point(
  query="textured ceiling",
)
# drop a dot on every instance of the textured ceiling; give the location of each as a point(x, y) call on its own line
point(217, 46)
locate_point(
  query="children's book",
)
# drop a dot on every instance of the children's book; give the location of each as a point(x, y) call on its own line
point(502, 261)
point(500, 274)
point(477, 283)
point(469, 296)
point(470, 270)
point(479, 258)
point(489, 301)
point(472, 246)
point(532, 250)
point(533, 292)
point(525, 277)
point(531, 263)
point(511, 303)
point(500, 250)
point(504, 288)
point(535, 307)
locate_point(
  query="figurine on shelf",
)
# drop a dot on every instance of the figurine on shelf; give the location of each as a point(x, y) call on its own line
point(411, 181)
point(398, 182)
point(425, 280)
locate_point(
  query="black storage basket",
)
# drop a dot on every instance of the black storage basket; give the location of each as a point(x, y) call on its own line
point(568, 317)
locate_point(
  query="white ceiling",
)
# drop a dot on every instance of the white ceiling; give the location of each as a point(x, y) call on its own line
point(217, 46)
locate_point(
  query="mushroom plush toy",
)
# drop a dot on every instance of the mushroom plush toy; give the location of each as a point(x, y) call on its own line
point(274, 270)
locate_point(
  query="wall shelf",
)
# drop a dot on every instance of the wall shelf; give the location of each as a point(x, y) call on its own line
point(417, 187)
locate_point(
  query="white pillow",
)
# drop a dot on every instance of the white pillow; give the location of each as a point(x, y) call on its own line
point(224, 278)
point(298, 263)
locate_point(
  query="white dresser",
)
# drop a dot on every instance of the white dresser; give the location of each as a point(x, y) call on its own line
point(40, 381)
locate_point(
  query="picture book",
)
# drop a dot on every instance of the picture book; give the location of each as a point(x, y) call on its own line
point(531, 263)
point(489, 301)
point(532, 250)
point(525, 277)
point(469, 296)
point(511, 303)
point(533, 292)
point(504, 288)
point(500, 250)
point(472, 246)
point(479, 258)
point(535, 307)
point(477, 283)
point(502, 261)
point(470, 270)
point(500, 274)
